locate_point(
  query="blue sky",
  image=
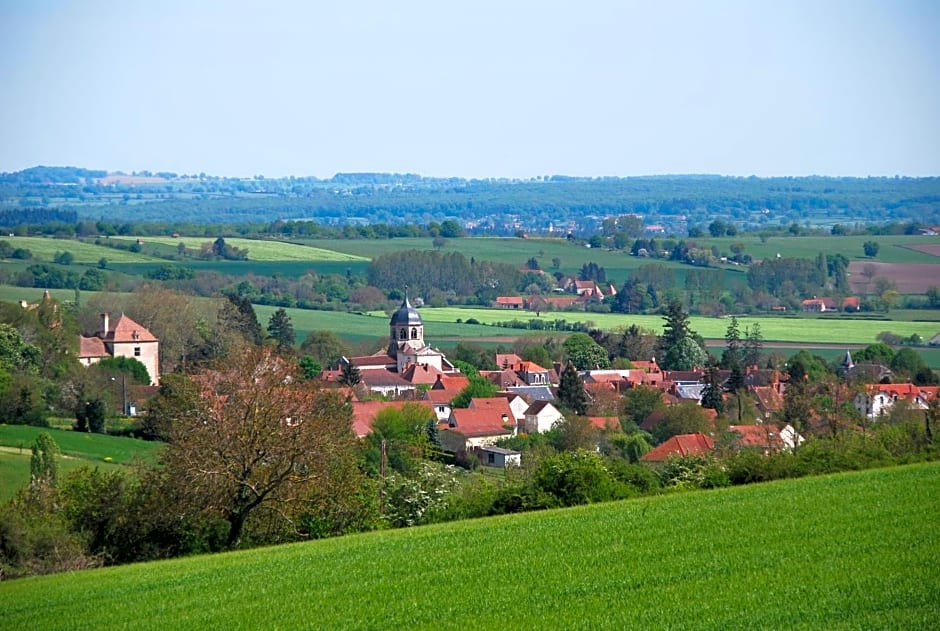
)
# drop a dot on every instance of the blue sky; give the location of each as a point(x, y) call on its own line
point(473, 89)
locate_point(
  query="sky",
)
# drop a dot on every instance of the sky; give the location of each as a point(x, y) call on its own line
point(475, 88)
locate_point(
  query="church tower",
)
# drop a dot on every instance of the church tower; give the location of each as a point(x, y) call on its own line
point(405, 327)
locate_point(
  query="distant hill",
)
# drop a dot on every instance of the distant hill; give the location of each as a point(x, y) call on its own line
point(553, 203)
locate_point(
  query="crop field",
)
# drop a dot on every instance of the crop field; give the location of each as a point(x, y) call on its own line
point(892, 248)
point(778, 329)
point(78, 449)
point(908, 278)
point(44, 249)
point(258, 249)
point(847, 551)
point(286, 269)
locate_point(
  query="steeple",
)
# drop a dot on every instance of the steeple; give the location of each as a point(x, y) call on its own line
point(405, 326)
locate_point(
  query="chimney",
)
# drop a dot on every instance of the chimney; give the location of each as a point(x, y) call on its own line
point(104, 323)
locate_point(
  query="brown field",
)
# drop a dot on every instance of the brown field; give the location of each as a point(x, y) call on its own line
point(927, 248)
point(909, 278)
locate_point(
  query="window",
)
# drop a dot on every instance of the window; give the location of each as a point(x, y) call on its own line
point(491, 458)
point(136, 351)
point(414, 333)
point(402, 334)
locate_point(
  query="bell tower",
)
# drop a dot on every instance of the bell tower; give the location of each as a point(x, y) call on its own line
point(405, 326)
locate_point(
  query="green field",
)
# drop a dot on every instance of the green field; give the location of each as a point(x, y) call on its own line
point(517, 252)
point(78, 449)
point(893, 248)
point(258, 249)
point(847, 551)
point(45, 248)
point(778, 329)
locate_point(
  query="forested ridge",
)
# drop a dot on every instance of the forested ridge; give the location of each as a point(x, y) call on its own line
point(497, 206)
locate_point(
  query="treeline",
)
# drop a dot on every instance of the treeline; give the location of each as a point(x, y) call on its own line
point(491, 206)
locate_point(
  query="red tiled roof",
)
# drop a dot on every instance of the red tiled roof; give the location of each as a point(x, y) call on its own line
point(602, 422)
point(421, 373)
point(474, 423)
point(507, 359)
point(681, 445)
point(372, 361)
point(451, 381)
point(496, 404)
point(89, 347)
point(126, 330)
point(440, 396)
point(762, 436)
point(509, 300)
point(502, 378)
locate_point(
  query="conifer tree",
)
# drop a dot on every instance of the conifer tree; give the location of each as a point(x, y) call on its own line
point(571, 390)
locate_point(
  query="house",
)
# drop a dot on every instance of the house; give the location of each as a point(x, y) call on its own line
point(851, 303)
point(122, 337)
point(509, 302)
point(763, 437)
point(681, 446)
point(879, 398)
point(471, 428)
point(819, 305)
point(499, 457)
point(540, 417)
point(440, 401)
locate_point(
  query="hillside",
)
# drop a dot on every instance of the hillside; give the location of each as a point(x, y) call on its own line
point(855, 550)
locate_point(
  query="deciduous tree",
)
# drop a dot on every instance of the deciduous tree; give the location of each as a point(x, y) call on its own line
point(256, 440)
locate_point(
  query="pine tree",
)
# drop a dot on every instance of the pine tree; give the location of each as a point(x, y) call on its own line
point(281, 331)
point(677, 326)
point(571, 390)
point(733, 355)
point(238, 315)
point(349, 375)
point(711, 393)
point(753, 345)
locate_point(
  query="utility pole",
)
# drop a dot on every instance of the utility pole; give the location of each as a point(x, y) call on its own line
point(382, 459)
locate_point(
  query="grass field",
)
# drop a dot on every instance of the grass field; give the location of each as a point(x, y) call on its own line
point(779, 329)
point(45, 248)
point(848, 551)
point(618, 265)
point(78, 449)
point(258, 249)
point(893, 248)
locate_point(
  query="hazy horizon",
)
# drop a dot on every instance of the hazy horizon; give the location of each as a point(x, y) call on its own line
point(473, 90)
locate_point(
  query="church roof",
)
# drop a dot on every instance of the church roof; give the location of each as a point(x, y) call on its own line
point(406, 315)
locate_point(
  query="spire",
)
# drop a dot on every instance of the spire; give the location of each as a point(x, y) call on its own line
point(847, 363)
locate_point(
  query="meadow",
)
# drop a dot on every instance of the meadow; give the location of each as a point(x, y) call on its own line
point(847, 551)
point(517, 252)
point(44, 250)
point(78, 449)
point(892, 248)
point(258, 249)
point(778, 329)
